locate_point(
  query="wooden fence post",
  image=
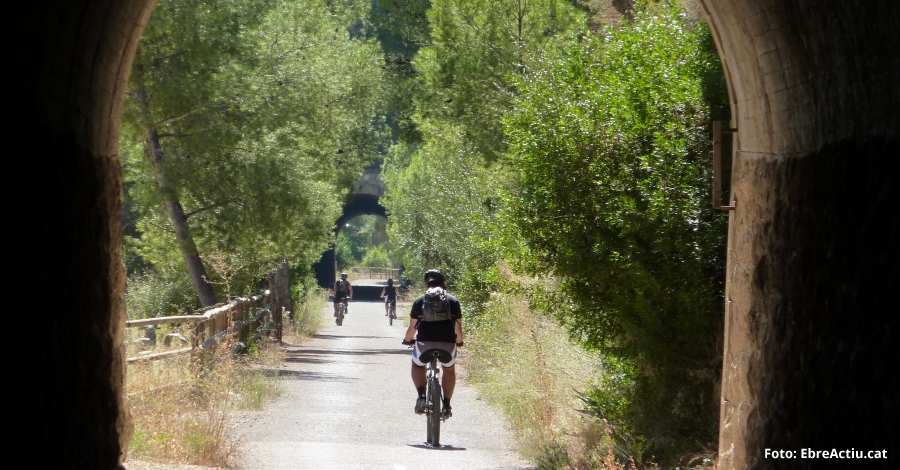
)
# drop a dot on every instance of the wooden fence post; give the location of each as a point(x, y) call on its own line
point(283, 293)
point(274, 302)
point(283, 278)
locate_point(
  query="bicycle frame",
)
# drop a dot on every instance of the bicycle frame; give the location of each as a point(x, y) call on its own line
point(342, 311)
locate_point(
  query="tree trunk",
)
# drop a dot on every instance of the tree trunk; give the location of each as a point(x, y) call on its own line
point(275, 308)
point(281, 301)
point(176, 212)
point(284, 286)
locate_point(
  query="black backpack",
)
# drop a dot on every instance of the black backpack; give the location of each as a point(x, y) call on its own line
point(436, 305)
point(342, 286)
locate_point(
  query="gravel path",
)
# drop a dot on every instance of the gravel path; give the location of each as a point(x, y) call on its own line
point(349, 405)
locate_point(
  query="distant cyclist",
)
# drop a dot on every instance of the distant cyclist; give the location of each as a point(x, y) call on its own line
point(437, 317)
point(389, 294)
point(343, 290)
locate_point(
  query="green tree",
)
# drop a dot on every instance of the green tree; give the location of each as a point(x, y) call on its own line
point(353, 240)
point(364, 241)
point(442, 190)
point(401, 27)
point(477, 46)
point(615, 202)
point(434, 204)
point(376, 257)
point(246, 122)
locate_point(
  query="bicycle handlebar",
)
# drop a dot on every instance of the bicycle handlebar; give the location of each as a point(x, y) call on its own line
point(410, 343)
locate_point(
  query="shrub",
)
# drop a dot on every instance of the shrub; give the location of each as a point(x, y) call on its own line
point(615, 202)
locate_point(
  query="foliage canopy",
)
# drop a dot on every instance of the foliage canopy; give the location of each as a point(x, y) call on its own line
point(578, 158)
point(614, 202)
point(265, 111)
point(518, 138)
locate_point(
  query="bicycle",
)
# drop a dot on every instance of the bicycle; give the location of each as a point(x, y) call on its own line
point(342, 311)
point(392, 311)
point(433, 393)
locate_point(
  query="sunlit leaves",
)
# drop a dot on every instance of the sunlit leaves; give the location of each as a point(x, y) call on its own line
point(443, 192)
point(267, 113)
point(435, 201)
point(476, 47)
point(615, 197)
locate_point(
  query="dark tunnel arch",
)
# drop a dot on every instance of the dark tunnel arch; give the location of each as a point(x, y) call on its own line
point(815, 91)
point(360, 204)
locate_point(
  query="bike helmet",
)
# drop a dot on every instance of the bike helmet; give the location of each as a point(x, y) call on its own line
point(343, 275)
point(434, 276)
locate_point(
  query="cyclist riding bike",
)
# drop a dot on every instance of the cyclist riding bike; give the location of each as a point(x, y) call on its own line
point(437, 317)
point(389, 294)
point(343, 290)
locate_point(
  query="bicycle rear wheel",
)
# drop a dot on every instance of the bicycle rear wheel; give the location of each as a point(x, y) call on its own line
point(434, 412)
point(392, 313)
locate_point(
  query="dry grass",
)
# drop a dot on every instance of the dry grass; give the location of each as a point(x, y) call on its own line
point(180, 405)
point(307, 317)
point(525, 364)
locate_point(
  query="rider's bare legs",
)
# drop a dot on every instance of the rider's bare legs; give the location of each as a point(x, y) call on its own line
point(337, 305)
point(448, 381)
point(418, 375)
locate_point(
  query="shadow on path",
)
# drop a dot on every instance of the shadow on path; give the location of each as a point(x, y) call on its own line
point(443, 447)
point(346, 336)
point(303, 375)
point(345, 352)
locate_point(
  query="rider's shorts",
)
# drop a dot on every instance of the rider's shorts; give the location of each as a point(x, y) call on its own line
point(388, 298)
point(422, 346)
point(340, 298)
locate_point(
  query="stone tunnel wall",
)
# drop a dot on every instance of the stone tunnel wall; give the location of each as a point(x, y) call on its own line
point(806, 360)
point(814, 88)
point(68, 70)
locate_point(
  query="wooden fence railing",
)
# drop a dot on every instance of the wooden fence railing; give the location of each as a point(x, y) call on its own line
point(247, 317)
point(376, 273)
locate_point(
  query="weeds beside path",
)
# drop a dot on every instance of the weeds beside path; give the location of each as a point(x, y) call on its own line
point(188, 410)
point(134, 464)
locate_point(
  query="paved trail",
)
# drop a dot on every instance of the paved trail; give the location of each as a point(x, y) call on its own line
point(349, 405)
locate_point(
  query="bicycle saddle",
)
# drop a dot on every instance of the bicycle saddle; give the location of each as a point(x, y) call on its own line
point(439, 354)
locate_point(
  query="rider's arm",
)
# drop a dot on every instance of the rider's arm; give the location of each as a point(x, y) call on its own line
point(411, 331)
point(350, 286)
point(382, 291)
point(456, 312)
